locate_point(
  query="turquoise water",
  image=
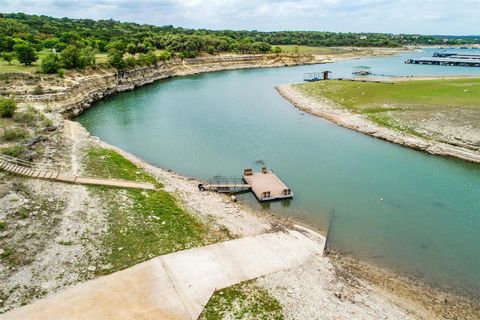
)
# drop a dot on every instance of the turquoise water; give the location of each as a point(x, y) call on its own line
point(428, 222)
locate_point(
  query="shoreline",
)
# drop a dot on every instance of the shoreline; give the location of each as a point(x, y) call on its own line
point(327, 110)
point(250, 221)
point(240, 218)
point(416, 296)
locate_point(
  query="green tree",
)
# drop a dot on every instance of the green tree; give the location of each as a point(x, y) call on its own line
point(7, 107)
point(51, 63)
point(71, 57)
point(88, 57)
point(277, 50)
point(115, 59)
point(8, 57)
point(25, 53)
point(116, 50)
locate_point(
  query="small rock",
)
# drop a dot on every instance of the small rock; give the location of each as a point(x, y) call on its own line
point(4, 190)
point(30, 142)
point(1, 251)
point(22, 223)
point(91, 268)
point(51, 128)
point(120, 249)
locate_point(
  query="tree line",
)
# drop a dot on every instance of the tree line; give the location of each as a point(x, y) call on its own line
point(73, 43)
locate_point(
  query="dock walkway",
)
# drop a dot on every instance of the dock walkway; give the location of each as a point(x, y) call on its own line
point(448, 59)
point(27, 169)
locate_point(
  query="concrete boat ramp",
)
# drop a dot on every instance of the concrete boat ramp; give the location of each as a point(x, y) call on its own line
point(176, 285)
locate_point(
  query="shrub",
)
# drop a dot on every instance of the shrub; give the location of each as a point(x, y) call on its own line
point(7, 107)
point(8, 57)
point(188, 54)
point(47, 122)
point(25, 53)
point(51, 63)
point(130, 62)
point(165, 55)
point(71, 57)
point(38, 90)
point(14, 134)
point(15, 151)
point(115, 59)
point(277, 50)
point(61, 73)
point(28, 116)
point(3, 224)
point(147, 59)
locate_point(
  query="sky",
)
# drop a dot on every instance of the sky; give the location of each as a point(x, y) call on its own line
point(452, 17)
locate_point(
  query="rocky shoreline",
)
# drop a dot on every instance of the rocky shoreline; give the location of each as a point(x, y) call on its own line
point(76, 92)
point(344, 118)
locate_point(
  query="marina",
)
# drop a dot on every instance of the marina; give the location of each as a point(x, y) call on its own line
point(448, 59)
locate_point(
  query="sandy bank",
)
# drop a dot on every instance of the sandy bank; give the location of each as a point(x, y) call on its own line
point(327, 110)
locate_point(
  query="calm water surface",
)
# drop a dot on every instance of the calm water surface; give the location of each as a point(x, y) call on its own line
point(428, 223)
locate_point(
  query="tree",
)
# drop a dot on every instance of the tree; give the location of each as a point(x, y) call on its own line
point(51, 63)
point(25, 53)
point(115, 59)
point(277, 50)
point(88, 57)
point(7, 107)
point(71, 57)
point(116, 50)
point(8, 57)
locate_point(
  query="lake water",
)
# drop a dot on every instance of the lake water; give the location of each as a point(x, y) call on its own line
point(428, 223)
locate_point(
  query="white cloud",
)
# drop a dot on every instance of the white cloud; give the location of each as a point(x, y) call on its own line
point(396, 16)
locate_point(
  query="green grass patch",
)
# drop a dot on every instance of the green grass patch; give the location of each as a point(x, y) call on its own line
point(142, 223)
point(14, 134)
point(431, 94)
point(7, 252)
point(382, 103)
point(14, 151)
point(17, 67)
point(317, 50)
point(3, 224)
point(245, 300)
point(107, 163)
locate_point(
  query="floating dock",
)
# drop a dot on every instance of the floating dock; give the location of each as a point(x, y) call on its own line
point(265, 185)
point(448, 59)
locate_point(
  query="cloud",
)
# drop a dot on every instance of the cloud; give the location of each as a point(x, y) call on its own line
point(395, 16)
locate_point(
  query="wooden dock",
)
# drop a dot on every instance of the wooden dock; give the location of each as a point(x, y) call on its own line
point(265, 185)
point(448, 59)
